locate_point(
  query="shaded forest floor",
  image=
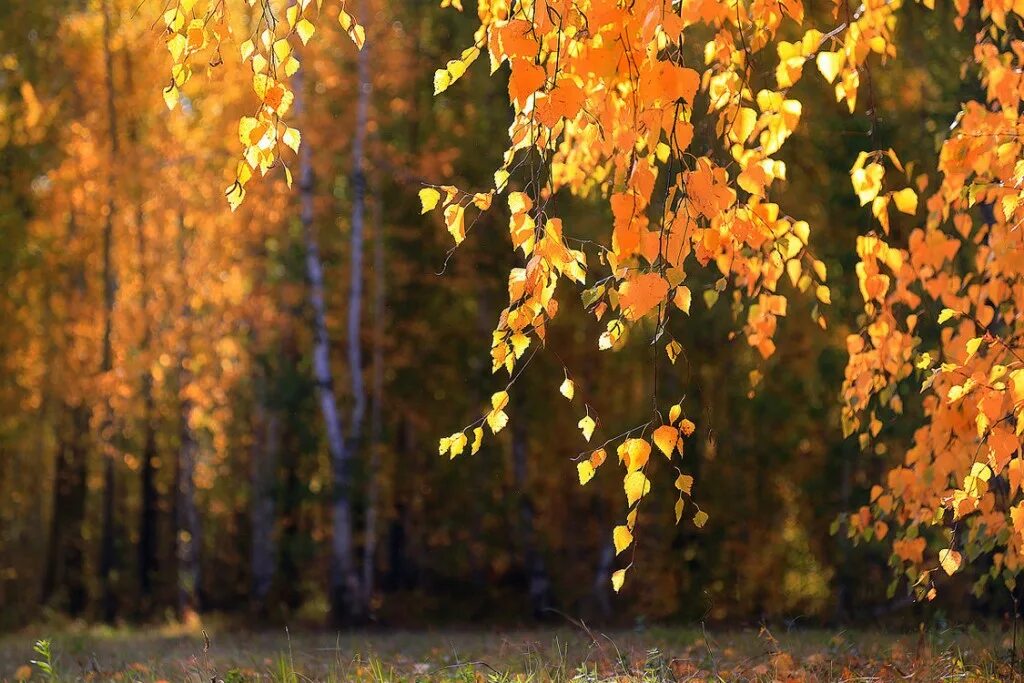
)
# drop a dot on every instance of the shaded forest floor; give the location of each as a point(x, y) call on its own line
point(651, 655)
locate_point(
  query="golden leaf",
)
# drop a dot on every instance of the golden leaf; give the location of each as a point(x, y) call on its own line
point(618, 578)
point(622, 538)
point(636, 486)
point(665, 438)
point(585, 470)
point(429, 197)
point(950, 560)
point(567, 388)
point(587, 425)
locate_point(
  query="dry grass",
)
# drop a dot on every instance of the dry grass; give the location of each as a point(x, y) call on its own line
point(174, 653)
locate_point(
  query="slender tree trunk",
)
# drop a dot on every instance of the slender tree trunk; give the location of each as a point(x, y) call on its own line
point(65, 572)
point(148, 560)
point(264, 458)
point(344, 589)
point(188, 537)
point(147, 547)
point(107, 549)
point(376, 409)
point(66, 557)
point(355, 294)
point(539, 585)
point(603, 580)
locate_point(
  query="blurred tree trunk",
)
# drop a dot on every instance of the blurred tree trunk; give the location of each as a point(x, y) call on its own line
point(188, 537)
point(355, 292)
point(376, 410)
point(65, 563)
point(344, 589)
point(264, 458)
point(65, 567)
point(539, 585)
point(147, 548)
point(108, 556)
point(603, 580)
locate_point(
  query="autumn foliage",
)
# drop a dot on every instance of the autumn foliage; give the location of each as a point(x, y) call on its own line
point(671, 122)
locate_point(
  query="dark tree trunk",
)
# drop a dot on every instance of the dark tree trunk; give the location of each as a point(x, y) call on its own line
point(538, 583)
point(188, 537)
point(65, 569)
point(376, 412)
point(108, 556)
point(263, 513)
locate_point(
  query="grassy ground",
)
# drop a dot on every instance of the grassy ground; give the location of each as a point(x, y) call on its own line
point(652, 655)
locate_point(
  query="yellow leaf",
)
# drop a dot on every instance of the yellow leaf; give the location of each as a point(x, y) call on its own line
point(478, 439)
point(235, 194)
point(634, 453)
point(455, 219)
point(520, 342)
point(429, 197)
point(618, 578)
point(665, 438)
point(672, 350)
point(683, 298)
point(292, 138)
point(622, 538)
point(171, 96)
point(950, 561)
point(501, 177)
point(442, 79)
point(354, 29)
point(587, 425)
point(176, 46)
point(700, 519)
point(906, 200)
point(867, 182)
point(247, 48)
point(679, 510)
point(687, 427)
point(305, 30)
point(973, 345)
point(820, 270)
point(458, 444)
point(567, 389)
point(823, 294)
point(636, 486)
point(829, 64)
point(443, 444)
point(674, 412)
point(496, 420)
point(281, 50)
point(684, 482)
point(585, 470)
point(946, 314)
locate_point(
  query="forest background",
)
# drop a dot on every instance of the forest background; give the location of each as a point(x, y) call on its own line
point(149, 331)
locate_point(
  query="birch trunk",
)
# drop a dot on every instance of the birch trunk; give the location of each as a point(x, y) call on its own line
point(376, 410)
point(355, 295)
point(344, 589)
